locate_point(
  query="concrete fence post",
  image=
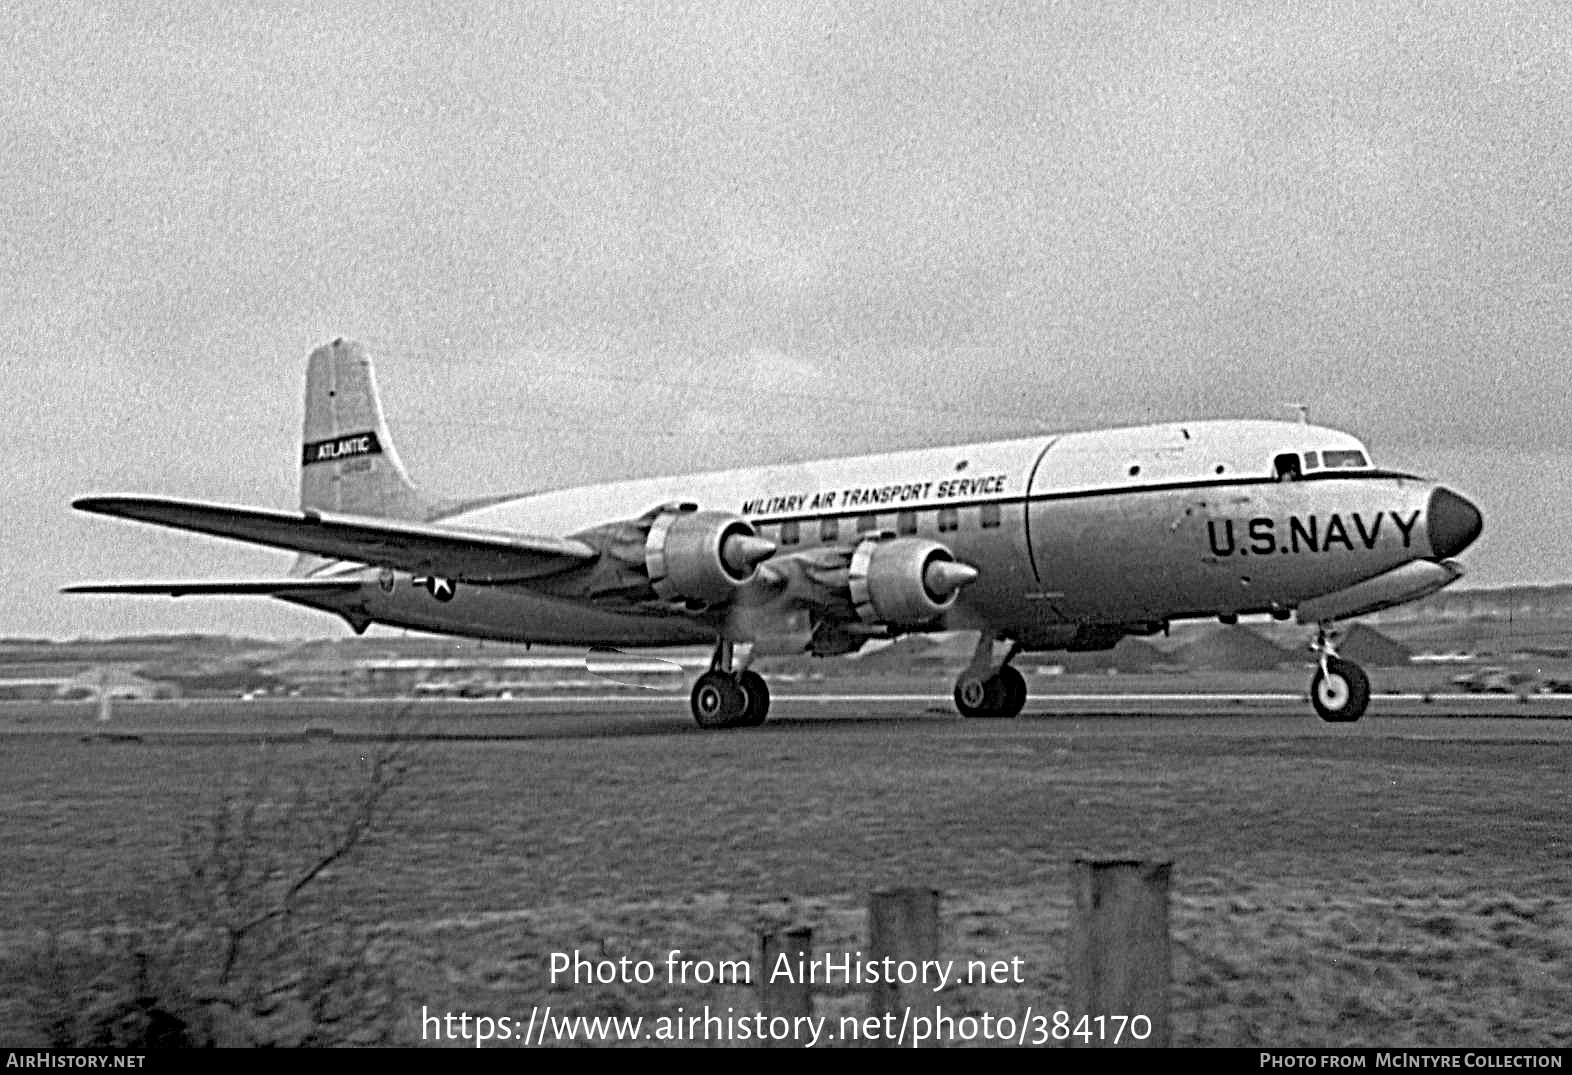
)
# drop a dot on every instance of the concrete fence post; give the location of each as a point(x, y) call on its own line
point(1119, 954)
point(788, 996)
point(903, 926)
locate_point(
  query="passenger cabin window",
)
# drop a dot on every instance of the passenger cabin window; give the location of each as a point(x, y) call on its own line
point(988, 515)
point(1344, 459)
point(866, 523)
point(906, 522)
point(829, 530)
point(790, 533)
point(949, 519)
point(1286, 467)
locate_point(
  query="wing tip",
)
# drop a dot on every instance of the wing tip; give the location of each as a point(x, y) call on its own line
point(107, 505)
point(219, 587)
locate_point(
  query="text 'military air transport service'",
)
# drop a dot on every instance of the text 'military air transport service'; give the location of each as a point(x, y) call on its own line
point(1066, 542)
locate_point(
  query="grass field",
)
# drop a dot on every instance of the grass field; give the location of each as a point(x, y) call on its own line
point(1408, 883)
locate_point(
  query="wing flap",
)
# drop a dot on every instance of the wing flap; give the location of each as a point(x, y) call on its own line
point(475, 556)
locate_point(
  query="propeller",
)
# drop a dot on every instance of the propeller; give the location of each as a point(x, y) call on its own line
point(741, 552)
point(944, 577)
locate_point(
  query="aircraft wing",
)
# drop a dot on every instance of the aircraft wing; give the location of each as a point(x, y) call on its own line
point(263, 587)
point(475, 556)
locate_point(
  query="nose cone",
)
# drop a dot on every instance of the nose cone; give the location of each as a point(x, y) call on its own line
point(1454, 523)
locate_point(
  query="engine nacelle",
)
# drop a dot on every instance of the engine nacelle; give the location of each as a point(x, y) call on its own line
point(702, 555)
point(904, 581)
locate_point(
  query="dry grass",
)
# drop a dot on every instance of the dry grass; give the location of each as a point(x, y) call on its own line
point(1329, 889)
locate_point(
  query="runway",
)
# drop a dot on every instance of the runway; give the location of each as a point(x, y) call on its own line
point(597, 713)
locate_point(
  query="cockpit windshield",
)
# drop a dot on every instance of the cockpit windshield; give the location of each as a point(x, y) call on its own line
point(1287, 467)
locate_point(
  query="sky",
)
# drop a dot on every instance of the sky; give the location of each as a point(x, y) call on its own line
point(588, 242)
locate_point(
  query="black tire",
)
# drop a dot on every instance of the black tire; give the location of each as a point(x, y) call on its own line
point(976, 698)
point(998, 698)
point(1341, 693)
point(717, 701)
point(1012, 692)
point(757, 709)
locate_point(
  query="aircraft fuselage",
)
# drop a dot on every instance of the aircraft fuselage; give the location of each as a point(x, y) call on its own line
point(1120, 527)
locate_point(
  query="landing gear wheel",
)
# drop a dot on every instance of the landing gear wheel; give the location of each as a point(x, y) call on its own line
point(1001, 696)
point(722, 700)
point(974, 696)
point(718, 701)
point(1013, 698)
point(1340, 691)
point(758, 694)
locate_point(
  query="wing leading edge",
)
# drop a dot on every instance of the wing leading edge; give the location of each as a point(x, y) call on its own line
point(474, 556)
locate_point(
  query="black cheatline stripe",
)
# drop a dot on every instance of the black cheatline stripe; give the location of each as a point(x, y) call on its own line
point(1083, 494)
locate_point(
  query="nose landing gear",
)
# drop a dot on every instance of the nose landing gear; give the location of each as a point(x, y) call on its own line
point(726, 697)
point(1339, 690)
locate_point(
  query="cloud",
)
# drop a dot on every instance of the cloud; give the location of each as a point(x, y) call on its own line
point(696, 237)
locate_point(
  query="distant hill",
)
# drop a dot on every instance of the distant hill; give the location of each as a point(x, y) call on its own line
point(1129, 655)
point(1501, 603)
point(1235, 649)
point(131, 649)
point(1500, 619)
point(1368, 646)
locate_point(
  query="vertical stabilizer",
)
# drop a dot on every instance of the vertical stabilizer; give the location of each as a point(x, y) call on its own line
point(348, 462)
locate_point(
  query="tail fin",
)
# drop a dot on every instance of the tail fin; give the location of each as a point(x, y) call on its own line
point(348, 463)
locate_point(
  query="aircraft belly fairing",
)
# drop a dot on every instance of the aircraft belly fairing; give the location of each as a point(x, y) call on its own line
point(522, 614)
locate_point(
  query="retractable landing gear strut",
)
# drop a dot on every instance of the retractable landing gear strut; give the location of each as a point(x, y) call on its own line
point(727, 696)
point(991, 687)
point(1339, 690)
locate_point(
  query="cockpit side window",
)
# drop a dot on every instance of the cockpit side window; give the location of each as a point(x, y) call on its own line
point(1312, 460)
point(1344, 459)
point(1286, 467)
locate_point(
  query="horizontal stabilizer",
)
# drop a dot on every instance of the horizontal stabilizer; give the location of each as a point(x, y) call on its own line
point(475, 556)
point(218, 587)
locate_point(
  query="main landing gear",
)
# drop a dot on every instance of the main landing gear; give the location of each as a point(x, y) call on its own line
point(725, 697)
point(1339, 690)
point(990, 687)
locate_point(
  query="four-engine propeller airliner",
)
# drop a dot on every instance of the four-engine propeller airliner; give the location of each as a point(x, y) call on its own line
point(1067, 542)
